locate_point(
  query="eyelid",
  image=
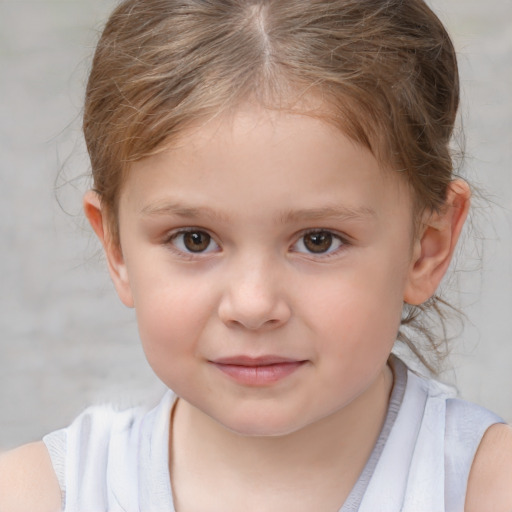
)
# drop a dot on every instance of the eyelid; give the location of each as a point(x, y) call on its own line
point(323, 255)
point(172, 235)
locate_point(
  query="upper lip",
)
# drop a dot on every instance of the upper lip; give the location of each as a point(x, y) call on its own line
point(243, 360)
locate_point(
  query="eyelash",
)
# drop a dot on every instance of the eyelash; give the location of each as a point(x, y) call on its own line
point(330, 252)
point(170, 241)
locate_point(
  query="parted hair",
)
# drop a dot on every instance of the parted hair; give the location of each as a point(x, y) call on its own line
point(384, 70)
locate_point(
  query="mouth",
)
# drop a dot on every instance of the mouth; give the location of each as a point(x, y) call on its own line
point(257, 371)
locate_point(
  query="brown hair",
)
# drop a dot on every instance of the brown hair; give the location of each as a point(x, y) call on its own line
point(386, 69)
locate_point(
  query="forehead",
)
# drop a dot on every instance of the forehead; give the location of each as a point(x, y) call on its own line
point(256, 161)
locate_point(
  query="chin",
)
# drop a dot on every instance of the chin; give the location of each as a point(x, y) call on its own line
point(260, 427)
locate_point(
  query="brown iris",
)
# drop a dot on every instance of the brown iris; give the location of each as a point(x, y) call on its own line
point(196, 241)
point(318, 242)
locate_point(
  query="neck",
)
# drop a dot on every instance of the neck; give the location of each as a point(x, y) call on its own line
point(336, 447)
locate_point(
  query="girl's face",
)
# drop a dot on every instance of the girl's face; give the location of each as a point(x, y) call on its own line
point(267, 257)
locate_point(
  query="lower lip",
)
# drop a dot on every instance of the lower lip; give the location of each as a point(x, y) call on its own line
point(259, 375)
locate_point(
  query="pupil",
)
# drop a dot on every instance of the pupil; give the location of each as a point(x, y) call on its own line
point(196, 241)
point(318, 242)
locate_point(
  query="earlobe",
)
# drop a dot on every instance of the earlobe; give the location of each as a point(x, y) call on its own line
point(435, 245)
point(116, 265)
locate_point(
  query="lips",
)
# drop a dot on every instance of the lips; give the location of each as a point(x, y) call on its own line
point(257, 371)
point(253, 361)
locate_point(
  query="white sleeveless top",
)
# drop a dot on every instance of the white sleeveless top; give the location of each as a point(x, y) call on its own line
point(111, 461)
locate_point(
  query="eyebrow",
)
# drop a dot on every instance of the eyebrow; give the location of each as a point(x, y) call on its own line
point(327, 212)
point(181, 210)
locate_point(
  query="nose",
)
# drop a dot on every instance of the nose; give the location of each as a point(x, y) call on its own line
point(253, 298)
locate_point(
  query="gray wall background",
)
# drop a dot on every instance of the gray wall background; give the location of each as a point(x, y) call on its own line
point(65, 339)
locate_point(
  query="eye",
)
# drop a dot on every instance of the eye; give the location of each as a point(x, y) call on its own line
point(193, 241)
point(318, 242)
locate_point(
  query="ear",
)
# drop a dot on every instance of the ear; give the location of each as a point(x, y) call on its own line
point(97, 217)
point(435, 245)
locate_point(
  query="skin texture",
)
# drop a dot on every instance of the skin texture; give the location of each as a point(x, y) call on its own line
point(491, 474)
point(256, 184)
point(252, 187)
point(27, 481)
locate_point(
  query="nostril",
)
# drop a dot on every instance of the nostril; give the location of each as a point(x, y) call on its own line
point(254, 325)
point(254, 320)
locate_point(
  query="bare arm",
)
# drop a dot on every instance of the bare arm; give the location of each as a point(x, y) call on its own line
point(27, 480)
point(490, 479)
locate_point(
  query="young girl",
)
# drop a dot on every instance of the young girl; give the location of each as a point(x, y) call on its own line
point(274, 191)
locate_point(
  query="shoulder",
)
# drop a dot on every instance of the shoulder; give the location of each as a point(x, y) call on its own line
point(490, 479)
point(27, 480)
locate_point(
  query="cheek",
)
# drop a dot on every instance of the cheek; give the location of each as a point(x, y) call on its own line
point(359, 315)
point(361, 299)
point(358, 336)
point(171, 318)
